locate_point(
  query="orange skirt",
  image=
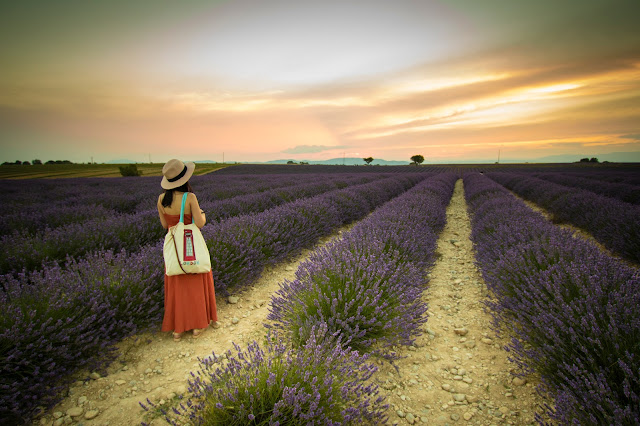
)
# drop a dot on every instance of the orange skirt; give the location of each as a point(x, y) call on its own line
point(189, 302)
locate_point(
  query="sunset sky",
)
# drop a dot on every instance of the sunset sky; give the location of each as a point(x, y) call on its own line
point(259, 80)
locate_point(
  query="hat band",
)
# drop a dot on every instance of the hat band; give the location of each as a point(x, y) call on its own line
point(179, 176)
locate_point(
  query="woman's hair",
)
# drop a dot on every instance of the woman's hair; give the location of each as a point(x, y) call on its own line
point(168, 193)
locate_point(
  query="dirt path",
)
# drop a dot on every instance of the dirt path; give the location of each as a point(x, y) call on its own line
point(457, 372)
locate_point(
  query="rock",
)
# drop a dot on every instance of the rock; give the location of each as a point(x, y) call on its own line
point(215, 325)
point(461, 331)
point(94, 376)
point(235, 320)
point(467, 416)
point(400, 414)
point(455, 417)
point(459, 397)
point(410, 419)
point(82, 400)
point(504, 410)
point(467, 380)
point(148, 371)
point(91, 414)
point(518, 381)
point(259, 303)
point(457, 377)
point(59, 422)
point(120, 382)
point(58, 414)
point(75, 411)
point(233, 300)
point(470, 344)
point(424, 419)
point(472, 398)
point(486, 340)
point(446, 386)
point(458, 281)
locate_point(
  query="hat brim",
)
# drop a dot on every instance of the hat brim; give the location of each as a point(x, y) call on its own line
point(165, 184)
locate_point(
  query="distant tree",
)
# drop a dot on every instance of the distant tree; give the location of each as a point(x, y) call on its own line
point(291, 162)
point(130, 170)
point(304, 162)
point(34, 162)
point(26, 163)
point(18, 162)
point(584, 160)
point(417, 159)
point(594, 160)
point(368, 160)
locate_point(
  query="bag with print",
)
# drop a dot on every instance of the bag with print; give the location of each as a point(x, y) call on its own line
point(185, 251)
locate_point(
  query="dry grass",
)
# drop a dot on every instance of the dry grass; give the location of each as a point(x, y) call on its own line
point(53, 171)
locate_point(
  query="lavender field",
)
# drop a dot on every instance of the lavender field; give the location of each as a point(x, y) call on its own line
point(81, 270)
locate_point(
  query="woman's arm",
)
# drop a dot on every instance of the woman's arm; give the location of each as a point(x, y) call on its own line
point(160, 212)
point(197, 215)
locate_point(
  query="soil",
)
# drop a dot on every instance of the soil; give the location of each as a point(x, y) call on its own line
point(457, 372)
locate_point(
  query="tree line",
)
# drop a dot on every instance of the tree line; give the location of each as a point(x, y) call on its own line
point(35, 162)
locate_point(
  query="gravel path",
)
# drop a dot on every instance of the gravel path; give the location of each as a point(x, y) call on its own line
point(457, 372)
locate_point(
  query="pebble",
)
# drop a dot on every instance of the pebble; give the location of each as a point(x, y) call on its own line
point(57, 414)
point(120, 382)
point(74, 412)
point(91, 414)
point(504, 410)
point(235, 320)
point(459, 397)
point(233, 300)
point(470, 344)
point(400, 413)
point(94, 376)
point(411, 419)
point(424, 419)
point(486, 340)
point(467, 416)
point(446, 386)
point(455, 417)
point(461, 331)
point(518, 381)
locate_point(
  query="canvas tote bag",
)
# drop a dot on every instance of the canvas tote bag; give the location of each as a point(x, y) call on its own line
point(185, 251)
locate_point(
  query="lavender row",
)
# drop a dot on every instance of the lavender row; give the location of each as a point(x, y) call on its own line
point(241, 246)
point(570, 309)
point(613, 223)
point(38, 203)
point(132, 231)
point(319, 383)
point(367, 286)
point(58, 321)
point(621, 191)
point(361, 291)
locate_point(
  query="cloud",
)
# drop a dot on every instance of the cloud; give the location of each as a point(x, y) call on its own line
point(310, 149)
point(634, 137)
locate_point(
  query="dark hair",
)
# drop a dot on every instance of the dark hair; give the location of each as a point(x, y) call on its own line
point(168, 193)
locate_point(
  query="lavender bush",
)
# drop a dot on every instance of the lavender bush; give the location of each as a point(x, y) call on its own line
point(613, 223)
point(117, 231)
point(320, 383)
point(241, 247)
point(366, 286)
point(570, 309)
point(621, 191)
point(57, 322)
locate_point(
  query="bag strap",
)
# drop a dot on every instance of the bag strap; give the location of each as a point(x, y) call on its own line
point(184, 200)
point(176, 247)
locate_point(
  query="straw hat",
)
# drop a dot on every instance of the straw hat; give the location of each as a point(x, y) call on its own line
point(176, 173)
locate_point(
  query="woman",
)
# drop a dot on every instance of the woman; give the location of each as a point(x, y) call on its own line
point(189, 300)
